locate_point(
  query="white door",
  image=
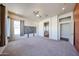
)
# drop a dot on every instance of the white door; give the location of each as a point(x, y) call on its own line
point(66, 30)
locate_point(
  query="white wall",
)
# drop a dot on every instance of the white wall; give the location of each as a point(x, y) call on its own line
point(52, 27)
point(40, 29)
point(28, 22)
point(41, 26)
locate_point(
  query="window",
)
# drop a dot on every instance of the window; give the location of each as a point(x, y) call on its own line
point(8, 26)
point(17, 27)
point(65, 19)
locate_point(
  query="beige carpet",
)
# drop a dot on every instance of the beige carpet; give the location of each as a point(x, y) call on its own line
point(39, 46)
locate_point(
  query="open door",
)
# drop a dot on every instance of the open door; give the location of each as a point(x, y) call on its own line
point(76, 18)
point(46, 29)
point(2, 25)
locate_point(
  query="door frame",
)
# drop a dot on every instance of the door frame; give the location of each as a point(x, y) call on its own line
point(71, 22)
point(48, 29)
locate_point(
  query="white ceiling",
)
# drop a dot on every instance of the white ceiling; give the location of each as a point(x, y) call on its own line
point(50, 9)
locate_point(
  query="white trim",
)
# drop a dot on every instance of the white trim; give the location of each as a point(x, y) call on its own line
point(65, 22)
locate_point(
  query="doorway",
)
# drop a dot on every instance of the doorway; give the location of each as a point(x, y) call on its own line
point(46, 29)
point(65, 31)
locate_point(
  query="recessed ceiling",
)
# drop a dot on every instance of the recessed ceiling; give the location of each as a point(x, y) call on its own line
point(45, 9)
